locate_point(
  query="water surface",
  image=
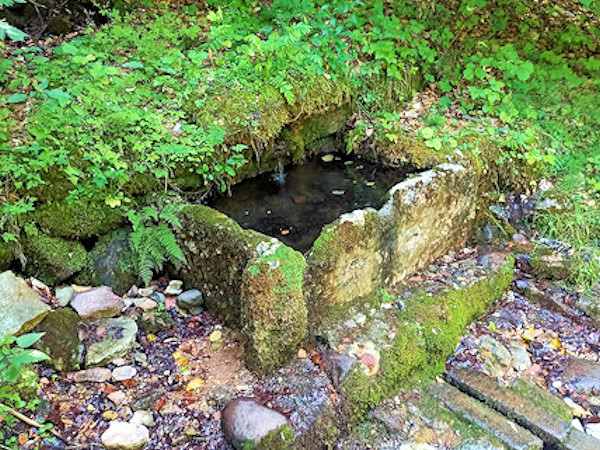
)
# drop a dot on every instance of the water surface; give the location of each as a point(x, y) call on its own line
point(294, 204)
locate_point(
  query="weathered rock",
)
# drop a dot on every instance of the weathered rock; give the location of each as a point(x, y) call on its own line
point(125, 436)
point(61, 340)
point(111, 262)
point(117, 341)
point(246, 423)
point(64, 295)
point(97, 303)
point(550, 265)
point(583, 375)
point(147, 400)
point(272, 305)
point(512, 435)
point(156, 321)
point(578, 440)
point(20, 306)
point(520, 358)
point(97, 375)
point(124, 373)
point(174, 287)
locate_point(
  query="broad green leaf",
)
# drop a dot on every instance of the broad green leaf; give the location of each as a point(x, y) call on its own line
point(27, 340)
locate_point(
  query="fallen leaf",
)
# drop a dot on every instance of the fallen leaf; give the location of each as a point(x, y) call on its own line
point(195, 384)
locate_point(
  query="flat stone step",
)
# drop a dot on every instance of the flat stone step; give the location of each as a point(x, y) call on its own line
point(552, 429)
point(472, 410)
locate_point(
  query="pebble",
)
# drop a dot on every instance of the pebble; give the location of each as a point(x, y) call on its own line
point(190, 298)
point(174, 287)
point(215, 336)
point(64, 295)
point(109, 415)
point(143, 418)
point(146, 292)
point(302, 354)
point(98, 375)
point(124, 373)
point(148, 305)
point(125, 436)
point(117, 397)
point(158, 297)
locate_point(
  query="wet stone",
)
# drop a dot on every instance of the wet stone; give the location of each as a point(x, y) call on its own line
point(578, 440)
point(338, 366)
point(190, 299)
point(61, 340)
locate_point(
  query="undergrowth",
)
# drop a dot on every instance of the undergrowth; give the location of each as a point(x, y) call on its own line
point(106, 116)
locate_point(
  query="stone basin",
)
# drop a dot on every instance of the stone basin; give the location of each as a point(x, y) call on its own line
point(277, 295)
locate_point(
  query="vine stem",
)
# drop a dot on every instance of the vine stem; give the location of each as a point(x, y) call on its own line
point(30, 422)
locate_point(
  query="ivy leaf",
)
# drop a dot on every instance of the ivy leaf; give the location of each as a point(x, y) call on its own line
point(16, 98)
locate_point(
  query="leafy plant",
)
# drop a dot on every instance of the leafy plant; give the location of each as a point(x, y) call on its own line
point(18, 382)
point(153, 241)
point(7, 30)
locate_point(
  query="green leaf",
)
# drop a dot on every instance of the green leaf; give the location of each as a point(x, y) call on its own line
point(524, 71)
point(133, 65)
point(27, 340)
point(17, 98)
point(427, 132)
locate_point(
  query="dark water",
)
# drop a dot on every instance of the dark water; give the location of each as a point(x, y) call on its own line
point(294, 204)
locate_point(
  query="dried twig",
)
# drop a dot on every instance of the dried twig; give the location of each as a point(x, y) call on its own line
point(30, 422)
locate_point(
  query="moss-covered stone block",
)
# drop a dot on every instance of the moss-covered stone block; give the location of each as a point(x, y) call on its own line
point(111, 262)
point(253, 281)
point(217, 251)
point(425, 217)
point(425, 333)
point(76, 220)
point(273, 310)
point(54, 259)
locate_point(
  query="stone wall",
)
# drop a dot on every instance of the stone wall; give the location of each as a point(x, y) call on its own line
point(425, 217)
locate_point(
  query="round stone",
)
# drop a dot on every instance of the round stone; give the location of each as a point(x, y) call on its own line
point(125, 436)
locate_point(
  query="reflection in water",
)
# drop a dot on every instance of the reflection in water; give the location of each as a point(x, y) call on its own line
point(294, 205)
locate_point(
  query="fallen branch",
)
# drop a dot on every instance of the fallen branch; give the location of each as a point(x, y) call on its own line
point(30, 422)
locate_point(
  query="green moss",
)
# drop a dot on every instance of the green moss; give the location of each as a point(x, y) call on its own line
point(7, 255)
point(281, 439)
point(272, 307)
point(429, 328)
point(54, 259)
point(76, 220)
point(543, 399)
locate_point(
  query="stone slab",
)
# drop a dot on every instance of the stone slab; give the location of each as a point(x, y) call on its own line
point(511, 434)
point(533, 417)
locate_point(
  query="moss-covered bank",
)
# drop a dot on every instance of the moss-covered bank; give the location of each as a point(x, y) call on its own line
point(428, 329)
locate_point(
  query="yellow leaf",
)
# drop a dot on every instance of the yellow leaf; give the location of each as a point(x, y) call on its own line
point(556, 344)
point(182, 361)
point(215, 336)
point(150, 337)
point(195, 384)
point(177, 354)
